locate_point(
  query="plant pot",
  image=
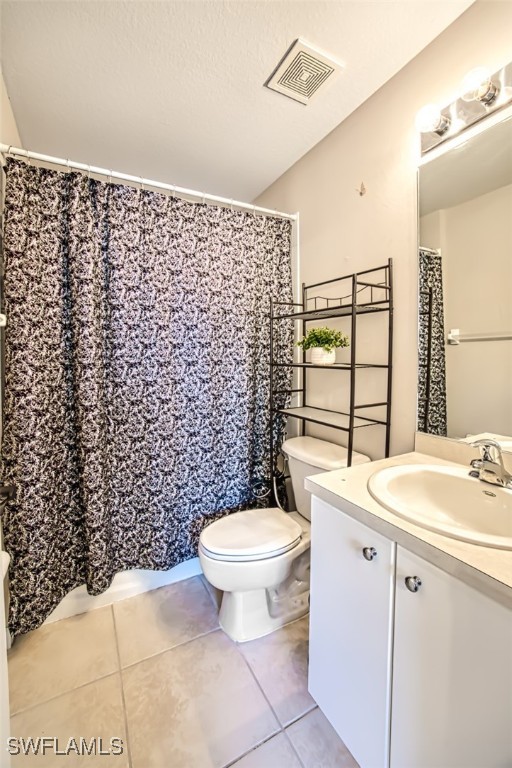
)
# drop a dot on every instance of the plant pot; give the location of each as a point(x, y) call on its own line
point(320, 356)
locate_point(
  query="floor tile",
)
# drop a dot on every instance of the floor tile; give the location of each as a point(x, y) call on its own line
point(280, 664)
point(195, 706)
point(58, 657)
point(274, 753)
point(163, 618)
point(94, 711)
point(317, 743)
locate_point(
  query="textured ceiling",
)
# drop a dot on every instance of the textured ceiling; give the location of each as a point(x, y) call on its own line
point(173, 91)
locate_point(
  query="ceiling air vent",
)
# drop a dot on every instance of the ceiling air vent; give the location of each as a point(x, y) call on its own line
point(302, 72)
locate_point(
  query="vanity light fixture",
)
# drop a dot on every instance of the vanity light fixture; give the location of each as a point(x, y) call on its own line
point(430, 119)
point(482, 94)
point(477, 85)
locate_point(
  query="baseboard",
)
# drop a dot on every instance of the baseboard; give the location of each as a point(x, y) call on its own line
point(125, 584)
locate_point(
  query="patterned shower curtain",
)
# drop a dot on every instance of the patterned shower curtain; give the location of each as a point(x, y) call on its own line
point(137, 377)
point(431, 345)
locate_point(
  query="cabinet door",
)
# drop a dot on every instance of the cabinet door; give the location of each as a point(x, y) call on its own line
point(350, 635)
point(452, 673)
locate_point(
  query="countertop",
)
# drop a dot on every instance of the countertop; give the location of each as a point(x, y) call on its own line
point(485, 568)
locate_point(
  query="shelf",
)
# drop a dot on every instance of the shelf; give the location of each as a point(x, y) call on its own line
point(346, 311)
point(350, 297)
point(334, 366)
point(327, 418)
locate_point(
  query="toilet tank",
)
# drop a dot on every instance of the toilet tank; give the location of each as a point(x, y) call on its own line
point(309, 456)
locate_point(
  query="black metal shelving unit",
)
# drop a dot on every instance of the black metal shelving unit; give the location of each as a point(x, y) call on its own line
point(364, 293)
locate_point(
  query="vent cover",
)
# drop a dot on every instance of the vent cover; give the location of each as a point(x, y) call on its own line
point(302, 72)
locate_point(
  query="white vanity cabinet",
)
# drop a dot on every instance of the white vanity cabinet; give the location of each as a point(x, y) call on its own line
point(452, 673)
point(352, 576)
point(409, 679)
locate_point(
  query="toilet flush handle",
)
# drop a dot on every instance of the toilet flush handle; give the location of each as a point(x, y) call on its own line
point(369, 553)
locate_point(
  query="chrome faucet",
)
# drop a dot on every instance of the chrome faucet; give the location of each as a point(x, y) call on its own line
point(490, 467)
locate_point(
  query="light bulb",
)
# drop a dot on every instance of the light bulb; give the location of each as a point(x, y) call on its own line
point(430, 120)
point(478, 86)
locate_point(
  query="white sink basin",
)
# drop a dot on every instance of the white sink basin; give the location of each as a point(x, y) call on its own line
point(447, 500)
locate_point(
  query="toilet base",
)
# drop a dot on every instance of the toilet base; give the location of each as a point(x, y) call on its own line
point(259, 596)
point(247, 615)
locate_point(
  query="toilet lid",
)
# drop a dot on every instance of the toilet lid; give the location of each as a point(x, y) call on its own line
point(253, 534)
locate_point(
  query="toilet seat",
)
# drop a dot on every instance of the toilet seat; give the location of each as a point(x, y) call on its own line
point(255, 534)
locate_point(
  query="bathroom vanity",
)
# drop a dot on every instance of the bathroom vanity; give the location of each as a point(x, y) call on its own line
point(411, 632)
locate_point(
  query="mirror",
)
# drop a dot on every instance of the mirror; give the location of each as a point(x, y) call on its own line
point(465, 288)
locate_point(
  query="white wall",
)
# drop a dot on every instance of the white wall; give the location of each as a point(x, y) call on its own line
point(430, 234)
point(8, 129)
point(342, 231)
point(475, 239)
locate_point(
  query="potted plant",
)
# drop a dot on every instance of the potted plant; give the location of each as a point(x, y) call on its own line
point(323, 343)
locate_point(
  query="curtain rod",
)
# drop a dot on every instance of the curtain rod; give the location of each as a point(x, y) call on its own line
point(7, 150)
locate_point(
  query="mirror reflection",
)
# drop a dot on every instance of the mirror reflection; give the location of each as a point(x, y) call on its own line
point(465, 288)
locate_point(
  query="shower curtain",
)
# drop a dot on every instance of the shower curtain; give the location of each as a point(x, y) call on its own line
point(137, 377)
point(431, 345)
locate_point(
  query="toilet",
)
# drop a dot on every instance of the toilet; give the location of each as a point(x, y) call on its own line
point(259, 558)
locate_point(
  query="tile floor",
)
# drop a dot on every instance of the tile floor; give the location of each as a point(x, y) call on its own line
point(157, 672)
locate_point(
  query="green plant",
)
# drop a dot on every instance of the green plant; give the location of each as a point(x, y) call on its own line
point(325, 338)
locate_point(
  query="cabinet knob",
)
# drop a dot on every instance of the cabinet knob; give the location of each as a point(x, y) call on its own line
point(413, 583)
point(369, 553)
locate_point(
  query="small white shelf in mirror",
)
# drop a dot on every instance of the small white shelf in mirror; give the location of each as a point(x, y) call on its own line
point(456, 337)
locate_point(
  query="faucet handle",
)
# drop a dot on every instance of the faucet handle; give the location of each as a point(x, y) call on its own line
point(489, 469)
point(487, 441)
point(486, 445)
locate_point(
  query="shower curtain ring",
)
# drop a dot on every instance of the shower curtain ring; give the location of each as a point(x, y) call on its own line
point(29, 159)
point(89, 172)
point(110, 177)
point(204, 198)
point(68, 165)
point(141, 184)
